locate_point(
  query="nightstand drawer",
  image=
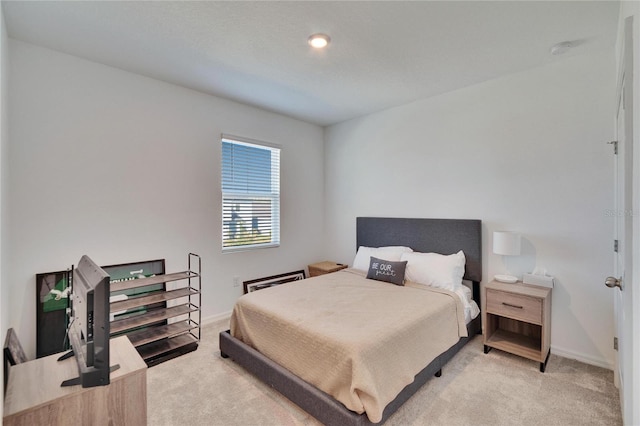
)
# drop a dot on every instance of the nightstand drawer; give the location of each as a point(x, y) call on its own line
point(516, 306)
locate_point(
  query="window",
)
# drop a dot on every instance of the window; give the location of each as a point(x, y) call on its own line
point(250, 194)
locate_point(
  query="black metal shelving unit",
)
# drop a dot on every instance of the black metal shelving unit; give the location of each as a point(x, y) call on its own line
point(168, 325)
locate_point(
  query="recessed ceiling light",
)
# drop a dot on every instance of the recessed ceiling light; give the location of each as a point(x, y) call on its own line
point(319, 40)
point(560, 48)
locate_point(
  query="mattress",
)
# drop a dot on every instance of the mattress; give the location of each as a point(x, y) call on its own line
point(471, 309)
point(361, 341)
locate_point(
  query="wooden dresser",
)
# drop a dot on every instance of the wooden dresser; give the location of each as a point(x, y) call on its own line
point(34, 395)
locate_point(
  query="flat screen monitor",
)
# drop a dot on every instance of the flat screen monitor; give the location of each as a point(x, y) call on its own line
point(89, 324)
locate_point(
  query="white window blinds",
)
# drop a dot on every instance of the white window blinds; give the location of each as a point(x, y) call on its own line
point(250, 194)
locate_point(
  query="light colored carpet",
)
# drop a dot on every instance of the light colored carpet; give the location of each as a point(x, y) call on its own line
point(201, 388)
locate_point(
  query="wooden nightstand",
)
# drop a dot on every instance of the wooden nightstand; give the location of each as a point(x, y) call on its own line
point(326, 267)
point(517, 319)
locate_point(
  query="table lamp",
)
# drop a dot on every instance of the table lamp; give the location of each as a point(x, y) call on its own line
point(507, 244)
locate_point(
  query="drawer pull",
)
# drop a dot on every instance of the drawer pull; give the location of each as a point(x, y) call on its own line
point(512, 306)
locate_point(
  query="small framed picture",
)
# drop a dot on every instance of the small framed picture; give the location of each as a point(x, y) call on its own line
point(274, 280)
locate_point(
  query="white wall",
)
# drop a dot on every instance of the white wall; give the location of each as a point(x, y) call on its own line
point(125, 168)
point(5, 300)
point(523, 153)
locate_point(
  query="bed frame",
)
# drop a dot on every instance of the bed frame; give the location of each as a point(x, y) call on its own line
point(444, 236)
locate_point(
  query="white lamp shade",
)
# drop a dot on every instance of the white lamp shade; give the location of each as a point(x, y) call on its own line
point(506, 243)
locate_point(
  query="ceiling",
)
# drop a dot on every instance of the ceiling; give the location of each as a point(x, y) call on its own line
point(382, 54)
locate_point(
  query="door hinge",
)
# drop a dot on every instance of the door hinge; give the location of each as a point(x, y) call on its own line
point(615, 146)
point(615, 343)
point(615, 246)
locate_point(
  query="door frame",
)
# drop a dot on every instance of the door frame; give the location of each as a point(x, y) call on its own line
point(630, 387)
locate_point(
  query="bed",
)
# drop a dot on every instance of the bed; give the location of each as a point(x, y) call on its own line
point(369, 400)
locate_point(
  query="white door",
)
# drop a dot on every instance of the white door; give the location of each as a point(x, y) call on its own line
point(623, 225)
point(625, 222)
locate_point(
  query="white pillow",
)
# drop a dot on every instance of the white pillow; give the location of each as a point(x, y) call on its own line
point(391, 253)
point(435, 270)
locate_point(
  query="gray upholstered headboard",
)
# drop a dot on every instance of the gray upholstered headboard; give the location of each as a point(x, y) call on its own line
point(444, 236)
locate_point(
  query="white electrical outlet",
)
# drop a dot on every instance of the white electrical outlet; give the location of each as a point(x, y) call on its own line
point(236, 281)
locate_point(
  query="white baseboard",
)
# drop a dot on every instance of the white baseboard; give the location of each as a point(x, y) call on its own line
point(215, 318)
point(587, 359)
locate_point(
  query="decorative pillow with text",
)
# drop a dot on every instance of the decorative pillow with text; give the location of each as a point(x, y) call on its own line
point(386, 270)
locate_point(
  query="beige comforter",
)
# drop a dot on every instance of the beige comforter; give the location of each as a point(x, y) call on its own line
point(361, 341)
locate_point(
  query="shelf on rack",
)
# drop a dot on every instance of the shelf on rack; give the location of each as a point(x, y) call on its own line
point(150, 317)
point(158, 279)
point(184, 342)
point(156, 297)
point(152, 334)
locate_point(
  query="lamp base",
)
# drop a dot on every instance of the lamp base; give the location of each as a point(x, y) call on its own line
point(506, 279)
